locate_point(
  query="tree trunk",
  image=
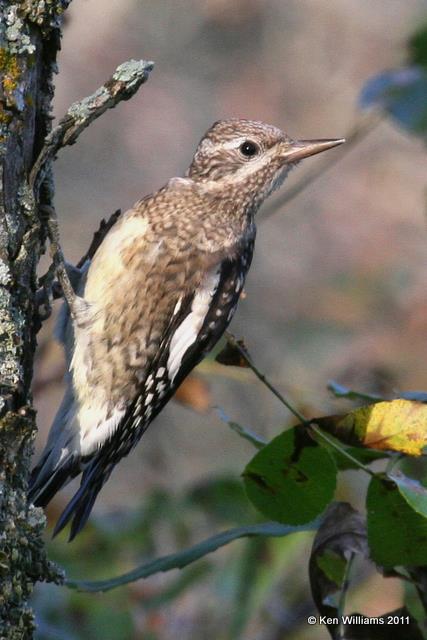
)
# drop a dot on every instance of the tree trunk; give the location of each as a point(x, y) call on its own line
point(30, 38)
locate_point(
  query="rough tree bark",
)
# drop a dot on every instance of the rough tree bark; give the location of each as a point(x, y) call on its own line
point(30, 32)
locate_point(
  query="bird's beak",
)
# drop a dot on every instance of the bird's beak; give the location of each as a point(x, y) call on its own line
point(299, 149)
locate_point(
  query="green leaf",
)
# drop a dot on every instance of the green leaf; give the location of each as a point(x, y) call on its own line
point(113, 622)
point(402, 93)
point(333, 566)
point(224, 499)
point(246, 582)
point(418, 47)
point(252, 437)
point(340, 391)
point(397, 521)
point(292, 479)
point(413, 492)
point(187, 556)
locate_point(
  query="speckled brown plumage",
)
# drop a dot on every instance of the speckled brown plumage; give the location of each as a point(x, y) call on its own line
point(160, 291)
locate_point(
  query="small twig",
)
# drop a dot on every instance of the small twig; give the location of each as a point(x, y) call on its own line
point(187, 556)
point(59, 260)
point(303, 420)
point(245, 355)
point(122, 85)
point(343, 595)
point(50, 289)
point(44, 296)
point(99, 236)
point(354, 136)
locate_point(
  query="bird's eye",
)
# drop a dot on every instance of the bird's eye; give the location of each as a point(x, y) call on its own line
point(249, 149)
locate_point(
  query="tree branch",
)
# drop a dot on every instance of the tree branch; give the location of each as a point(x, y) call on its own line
point(122, 85)
point(182, 558)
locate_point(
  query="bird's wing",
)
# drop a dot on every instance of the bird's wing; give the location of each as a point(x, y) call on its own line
point(198, 321)
point(107, 283)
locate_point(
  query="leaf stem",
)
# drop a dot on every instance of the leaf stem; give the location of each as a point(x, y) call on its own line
point(393, 461)
point(304, 421)
point(343, 595)
point(245, 355)
point(319, 432)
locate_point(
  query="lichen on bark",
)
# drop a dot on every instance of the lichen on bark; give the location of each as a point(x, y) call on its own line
point(29, 40)
point(23, 561)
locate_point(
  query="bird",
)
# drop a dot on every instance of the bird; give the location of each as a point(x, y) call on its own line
point(155, 298)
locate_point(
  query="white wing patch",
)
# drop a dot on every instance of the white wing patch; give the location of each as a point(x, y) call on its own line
point(188, 330)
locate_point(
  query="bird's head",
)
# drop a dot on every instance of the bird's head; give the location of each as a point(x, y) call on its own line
point(247, 160)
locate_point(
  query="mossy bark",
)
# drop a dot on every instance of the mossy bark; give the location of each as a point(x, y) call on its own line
point(29, 41)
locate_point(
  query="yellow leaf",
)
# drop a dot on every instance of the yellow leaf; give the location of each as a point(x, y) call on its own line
point(398, 425)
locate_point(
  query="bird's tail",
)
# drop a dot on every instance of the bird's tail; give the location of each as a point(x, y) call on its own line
point(49, 476)
point(60, 461)
point(78, 509)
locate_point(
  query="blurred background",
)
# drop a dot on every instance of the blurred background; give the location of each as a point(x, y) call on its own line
point(336, 290)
